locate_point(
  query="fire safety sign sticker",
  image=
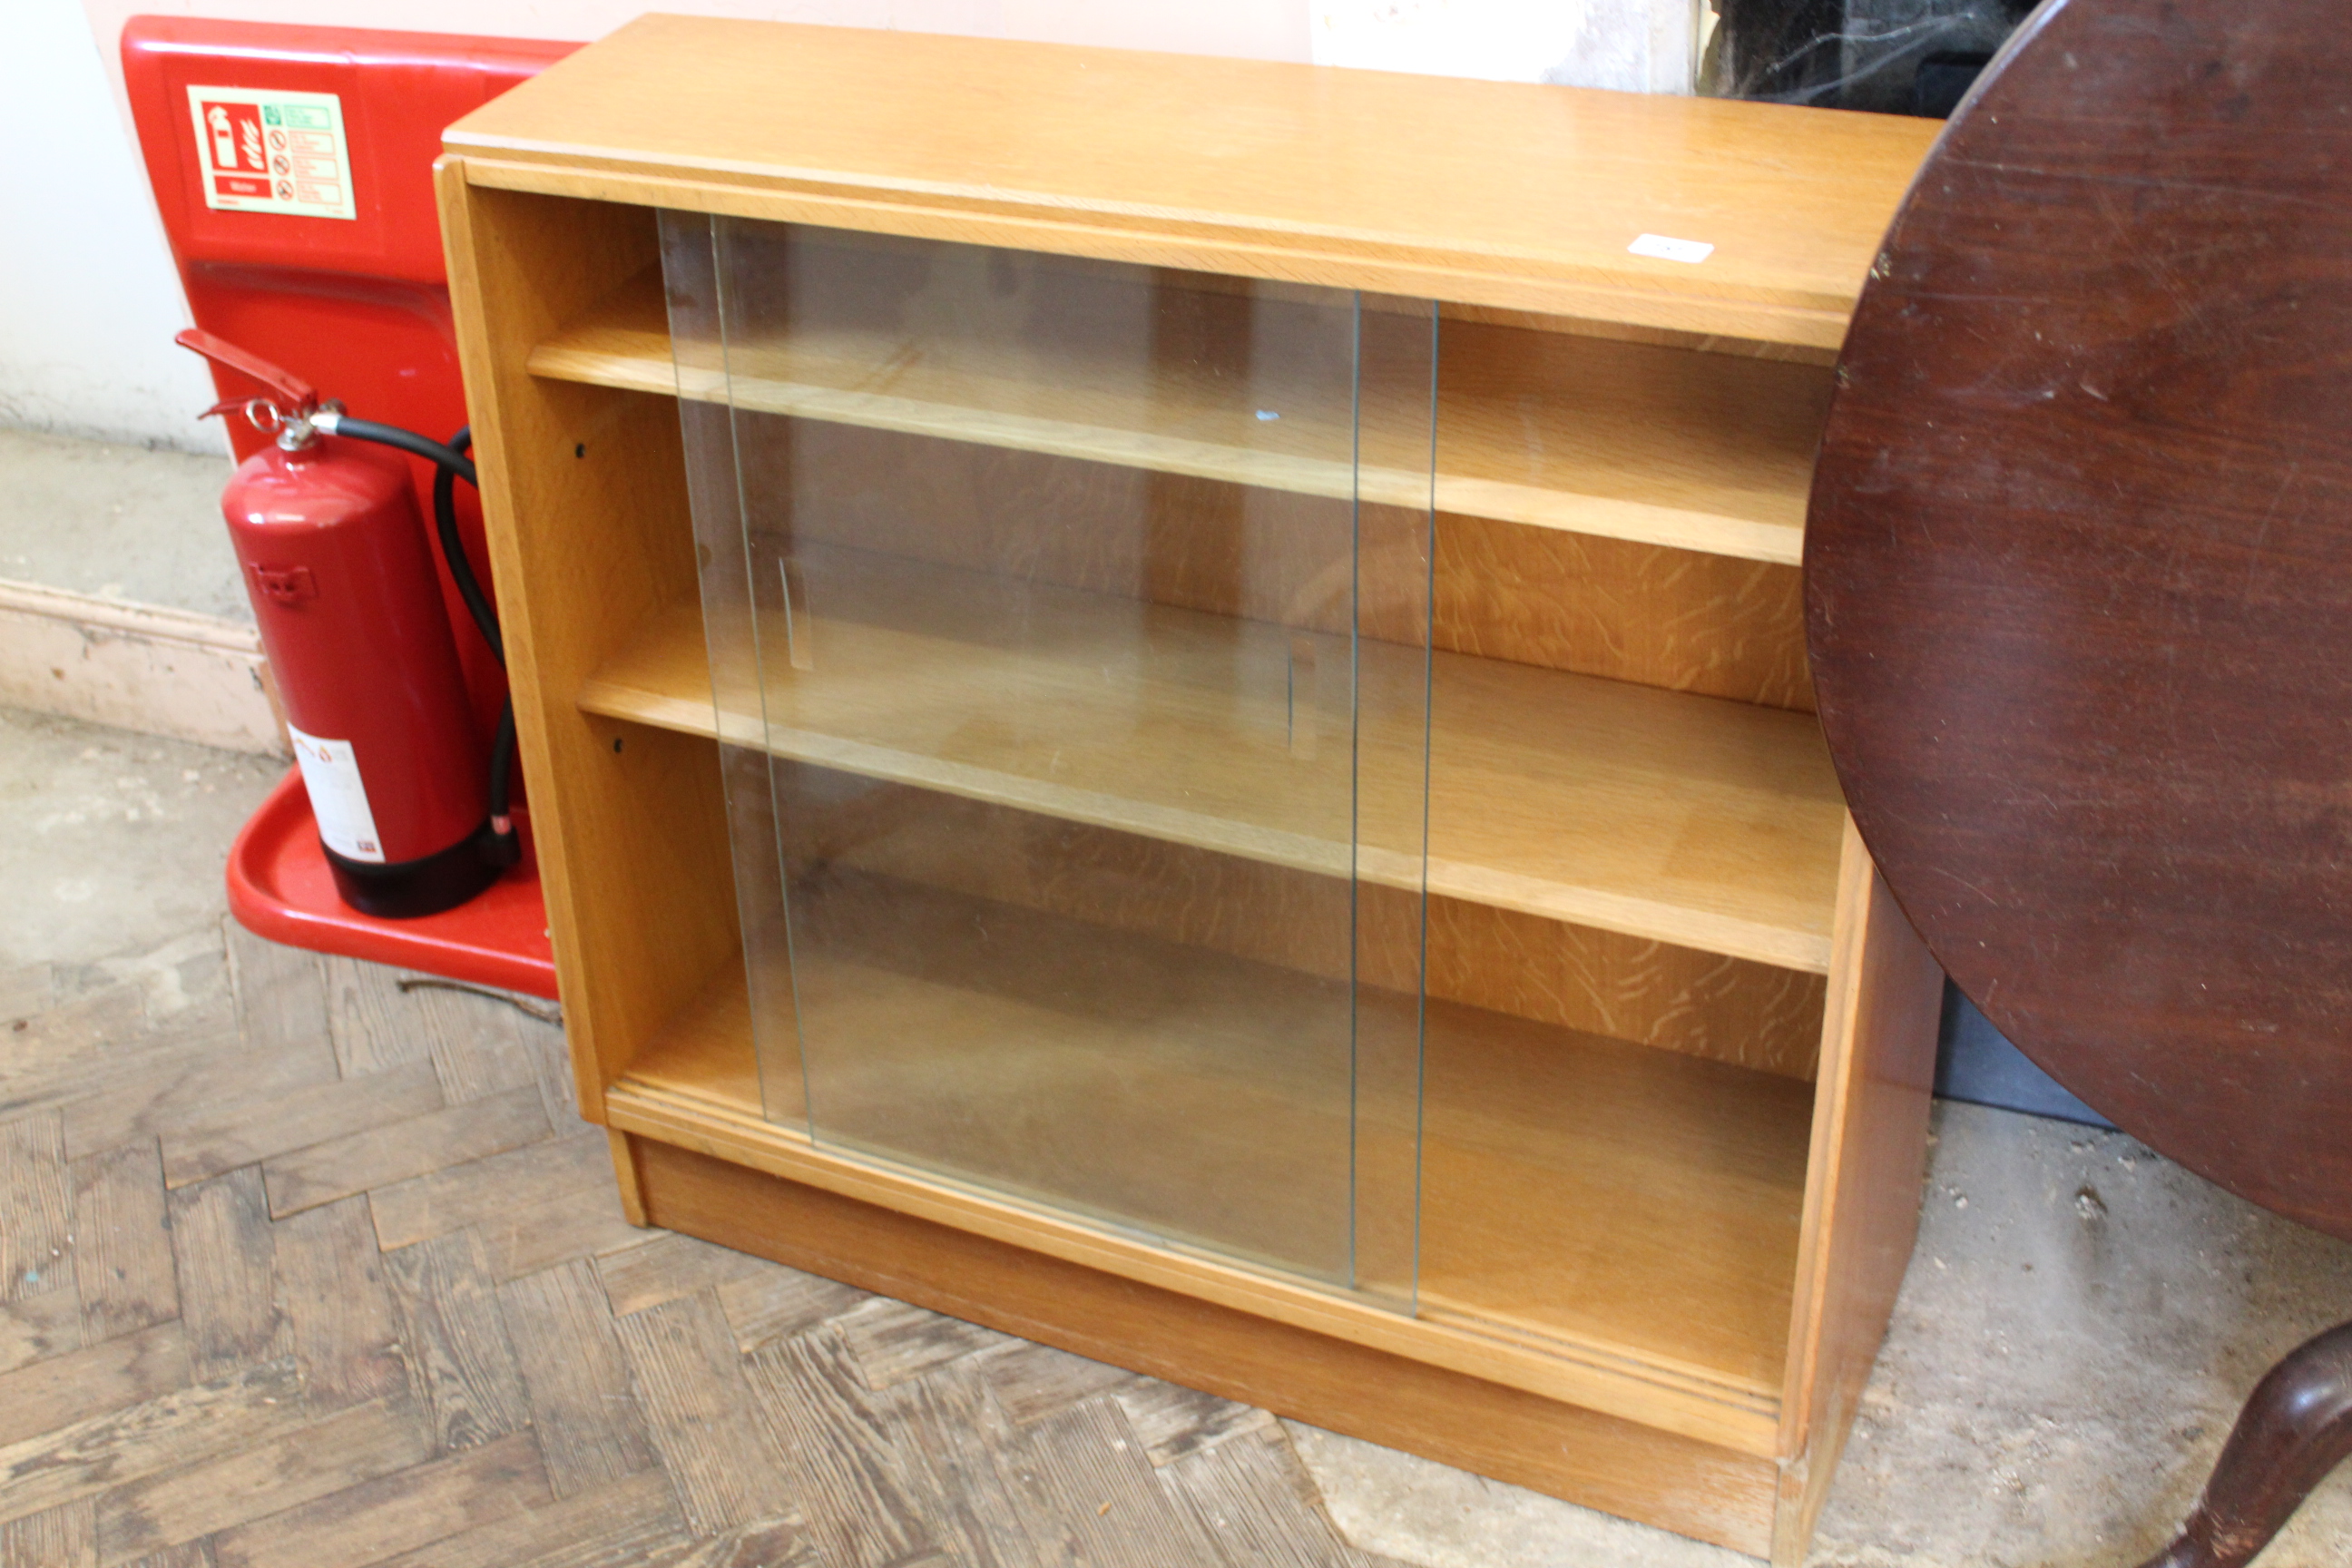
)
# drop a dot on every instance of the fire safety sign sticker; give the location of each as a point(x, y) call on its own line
point(264, 150)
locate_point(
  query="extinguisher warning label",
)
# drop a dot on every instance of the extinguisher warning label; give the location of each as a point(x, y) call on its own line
point(263, 151)
point(330, 773)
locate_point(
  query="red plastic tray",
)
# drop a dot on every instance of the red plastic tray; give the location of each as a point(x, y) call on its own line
point(279, 887)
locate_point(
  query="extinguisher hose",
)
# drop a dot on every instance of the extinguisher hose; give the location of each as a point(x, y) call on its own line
point(408, 441)
point(444, 520)
point(500, 845)
point(503, 845)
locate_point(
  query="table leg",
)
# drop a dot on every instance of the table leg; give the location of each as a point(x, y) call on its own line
point(2293, 1431)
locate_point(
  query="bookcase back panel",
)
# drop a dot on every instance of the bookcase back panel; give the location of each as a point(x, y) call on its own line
point(1205, 544)
point(1685, 620)
point(1638, 439)
point(1682, 619)
point(1628, 988)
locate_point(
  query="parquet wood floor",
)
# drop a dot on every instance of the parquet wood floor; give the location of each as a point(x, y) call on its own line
point(300, 1270)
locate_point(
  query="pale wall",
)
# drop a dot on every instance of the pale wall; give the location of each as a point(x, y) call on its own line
point(88, 297)
point(88, 301)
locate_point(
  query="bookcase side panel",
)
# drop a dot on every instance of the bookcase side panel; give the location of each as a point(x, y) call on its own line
point(584, 500)
point(1862, 1202)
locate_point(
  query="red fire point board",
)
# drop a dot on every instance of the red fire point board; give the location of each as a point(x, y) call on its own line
point(359, 306)
point(273, 151)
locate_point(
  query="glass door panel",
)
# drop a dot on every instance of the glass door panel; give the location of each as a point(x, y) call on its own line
point(1075, 713)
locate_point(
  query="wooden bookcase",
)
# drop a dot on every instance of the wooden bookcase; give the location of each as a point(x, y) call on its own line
point(1676, 1039)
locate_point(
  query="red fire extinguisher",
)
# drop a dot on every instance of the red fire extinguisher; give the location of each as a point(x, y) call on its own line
point(413, 817)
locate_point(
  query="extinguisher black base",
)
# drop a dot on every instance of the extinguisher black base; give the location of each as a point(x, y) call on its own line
point(425, 886)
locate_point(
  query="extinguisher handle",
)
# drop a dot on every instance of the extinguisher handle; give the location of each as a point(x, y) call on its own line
point(302, 396)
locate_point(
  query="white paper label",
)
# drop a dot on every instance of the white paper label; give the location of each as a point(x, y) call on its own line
point(1668, 249)
point(338, 797)
point(263, 151)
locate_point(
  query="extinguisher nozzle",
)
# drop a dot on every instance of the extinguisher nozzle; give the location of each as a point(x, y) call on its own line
point(500, 847)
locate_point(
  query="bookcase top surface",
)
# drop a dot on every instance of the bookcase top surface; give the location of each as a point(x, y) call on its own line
point(1512, 195)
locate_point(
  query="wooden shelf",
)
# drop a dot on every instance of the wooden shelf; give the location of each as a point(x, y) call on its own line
point(1590, 435)
point(1692, 820)
point(1581, 1189)
point(1580, 1197)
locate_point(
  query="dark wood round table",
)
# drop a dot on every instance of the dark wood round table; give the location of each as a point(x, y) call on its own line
point(2079, 592)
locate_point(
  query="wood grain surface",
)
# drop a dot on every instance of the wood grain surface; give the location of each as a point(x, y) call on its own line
point(1698, 1488)
point(388, 1427)
point(1664, 816)
point(1683, 619)
point(1312, 175)
point(122, 1253)
point(1598, 981)
point(1869, 1149)
point(1584, 1200)
point(557, 460)
point(1649, 443)
point(2078, 576)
